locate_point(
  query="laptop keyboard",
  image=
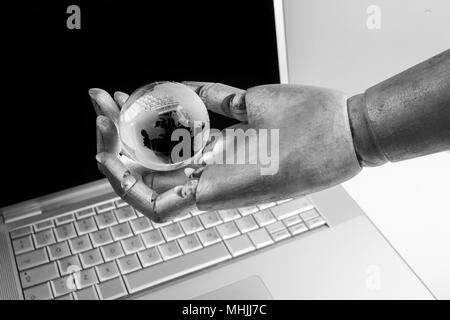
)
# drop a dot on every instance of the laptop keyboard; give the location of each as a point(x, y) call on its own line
point(109, 250)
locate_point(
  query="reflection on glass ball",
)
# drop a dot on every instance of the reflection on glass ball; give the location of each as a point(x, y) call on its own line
point(164, 126)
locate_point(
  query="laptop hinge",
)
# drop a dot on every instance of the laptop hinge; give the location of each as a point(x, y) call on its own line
point(58, 201)
point(24, 216)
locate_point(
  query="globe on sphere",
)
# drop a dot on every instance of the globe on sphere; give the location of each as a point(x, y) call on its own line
point(164, 126)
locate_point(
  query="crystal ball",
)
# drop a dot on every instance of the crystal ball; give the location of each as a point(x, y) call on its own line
point(164, 126)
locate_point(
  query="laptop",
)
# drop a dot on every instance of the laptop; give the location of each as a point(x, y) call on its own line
point(84, 242)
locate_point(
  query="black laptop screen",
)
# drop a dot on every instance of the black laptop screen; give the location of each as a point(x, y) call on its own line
point(48, 123)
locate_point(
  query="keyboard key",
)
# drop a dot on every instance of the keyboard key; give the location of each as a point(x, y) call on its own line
point(121, 231)
point(315, 222)
point(228, 215)
point(264, 217)
point(284, 200)
point(132, 245)
point(228, 230)
point(292, 220)
point(208, 236)
point(105, 206)
point(298, 228)
point(23, 245)
point(260, 238)
point(170, 250)
point(85, 226)
point(120, 203)
point(89, 293)
point(280, 234)
point(69, 265)
point(59, 250)
point(266, 205)
point(172, 231)
point(84, 213)
point(17, 233)
point(64, 285)
point(152, 238)
point(149, 257)
point(91, 258)
point(188, 263)
point(239, 245)
point(191, 225)
point(246, 224)
point(141, 225)
point(39, 275)
point(87, 278)
point(64, 219)
point(107, 271)
point(162, 224)
point(112, 251)
point(80, 244)
point(310, 214)
point(291, 208)
point(210, 219)
point(189, 243)
point(112, 289)
point(65, 297)
point(44, 238)
point(274, 227)
point(40, 292)
point(248, 210)
point(106, 219)
point(129, 264)
point(182, 216)
point(101, 237)
point(32, 259)
point(125, 213)
point(66, 231)
point(43, 225)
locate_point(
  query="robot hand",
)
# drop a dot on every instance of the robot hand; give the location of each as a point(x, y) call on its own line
point(317, 137)
point(305, 129)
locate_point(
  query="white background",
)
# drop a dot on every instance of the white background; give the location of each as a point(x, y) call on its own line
point(410, 203)
point(329, 45)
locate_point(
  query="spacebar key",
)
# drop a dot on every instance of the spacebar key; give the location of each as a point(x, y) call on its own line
point(176, 267)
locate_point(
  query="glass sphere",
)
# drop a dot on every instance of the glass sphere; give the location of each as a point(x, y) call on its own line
point(164, 126)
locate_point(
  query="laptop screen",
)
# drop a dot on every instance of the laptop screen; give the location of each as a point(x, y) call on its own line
point(48, 122)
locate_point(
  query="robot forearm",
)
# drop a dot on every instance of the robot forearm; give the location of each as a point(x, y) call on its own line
point(404, 117)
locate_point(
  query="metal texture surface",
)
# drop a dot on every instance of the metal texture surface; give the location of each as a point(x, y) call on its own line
point(9, 289)
point(406, 116)
point(315, 148)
